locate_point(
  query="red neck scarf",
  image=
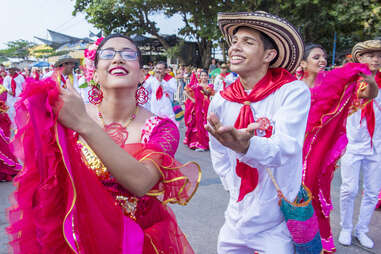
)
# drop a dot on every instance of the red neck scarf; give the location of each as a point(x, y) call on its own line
point(159, 93)
point(272, 81)
point(63, 79)
point(13, 83)
point(368, 112)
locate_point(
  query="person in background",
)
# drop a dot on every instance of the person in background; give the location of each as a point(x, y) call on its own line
point(3, 73)
point(180, 83)
point(13, 82)
point(213, 65)
point(332, 95)
point(198, 95)
point(9, 165)
point(219, 81)
point(35, 73)
point(363, 151)
point(163, 87)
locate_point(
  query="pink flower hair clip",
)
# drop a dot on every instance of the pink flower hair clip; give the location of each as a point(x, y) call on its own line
point(88, 66)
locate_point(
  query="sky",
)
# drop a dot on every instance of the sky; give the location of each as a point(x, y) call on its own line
point(24, 19)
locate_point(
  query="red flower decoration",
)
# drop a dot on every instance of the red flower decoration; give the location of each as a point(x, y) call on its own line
point(90, 54)
point(265, 129)
point(99, 40)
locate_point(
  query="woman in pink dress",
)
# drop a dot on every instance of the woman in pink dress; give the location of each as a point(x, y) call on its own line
point(101, 175)
point(9, 165)
point(196, 110)
point(332, 95)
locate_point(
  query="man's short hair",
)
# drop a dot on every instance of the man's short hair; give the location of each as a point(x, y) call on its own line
point(162, 62)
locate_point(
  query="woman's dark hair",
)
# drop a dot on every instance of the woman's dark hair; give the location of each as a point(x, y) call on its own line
point(309, 47)
point(117, 35)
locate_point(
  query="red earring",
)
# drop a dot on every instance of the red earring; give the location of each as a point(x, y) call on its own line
point(95, 95)
point(141, 95)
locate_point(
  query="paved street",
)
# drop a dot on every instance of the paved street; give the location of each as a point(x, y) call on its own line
point(203, 217)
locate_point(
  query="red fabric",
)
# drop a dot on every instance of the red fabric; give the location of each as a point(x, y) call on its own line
point(36, 76)
point(325, 138)
point(273, 80)
point(368, 111)
point(46, 191)
point(159, 92)
point(13, 83)
point(56, 184)
point(195, 114)
point(147, 76)
point(9, 165)
point(63, 79)
point(167, 77)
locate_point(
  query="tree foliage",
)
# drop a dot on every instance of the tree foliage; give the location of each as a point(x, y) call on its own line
point(17, 49)
point(317, 20)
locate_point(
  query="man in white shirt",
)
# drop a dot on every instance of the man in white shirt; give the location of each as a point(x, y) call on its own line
point(13, 82)
point(272, 109)
point(363, 153)
point(162, 88)
point(219, 82)
point(64, 71)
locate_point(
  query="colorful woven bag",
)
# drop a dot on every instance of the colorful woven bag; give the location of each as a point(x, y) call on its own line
point(301, 220)
point(179, 112)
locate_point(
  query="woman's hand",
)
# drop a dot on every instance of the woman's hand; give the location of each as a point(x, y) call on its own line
point(73, 113)
point(371, 90)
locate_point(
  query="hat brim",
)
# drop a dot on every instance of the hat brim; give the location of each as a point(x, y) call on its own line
point(13, 68)
point(66, 60)
point(289, 43)
point(365, 47)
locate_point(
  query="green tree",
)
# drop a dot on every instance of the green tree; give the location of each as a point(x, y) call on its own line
point(317, 20)
point(135, 17)
point(17, 49)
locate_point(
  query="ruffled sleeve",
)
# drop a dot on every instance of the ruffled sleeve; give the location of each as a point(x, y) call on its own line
point(161, 132)
point(178, 181)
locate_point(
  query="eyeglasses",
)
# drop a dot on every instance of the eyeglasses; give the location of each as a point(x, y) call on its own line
point(108, 54)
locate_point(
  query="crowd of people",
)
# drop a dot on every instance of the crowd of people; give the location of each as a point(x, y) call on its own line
point(275, 121)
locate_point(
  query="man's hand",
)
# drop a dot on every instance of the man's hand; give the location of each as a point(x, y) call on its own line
point(236, 139)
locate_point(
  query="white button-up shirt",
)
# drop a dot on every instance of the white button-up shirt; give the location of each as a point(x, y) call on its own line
point(287, 109)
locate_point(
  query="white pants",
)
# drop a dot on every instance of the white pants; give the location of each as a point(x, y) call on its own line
point(274, 241)
point(351, 164)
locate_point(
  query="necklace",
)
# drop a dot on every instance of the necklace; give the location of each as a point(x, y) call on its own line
point(117, 131)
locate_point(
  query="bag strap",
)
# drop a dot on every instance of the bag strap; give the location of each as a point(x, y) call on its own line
point(274, 181)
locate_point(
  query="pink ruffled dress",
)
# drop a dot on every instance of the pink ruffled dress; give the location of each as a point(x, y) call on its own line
point(325, 140)
point(66, 201)
point(196, 137)
point(9, 165)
